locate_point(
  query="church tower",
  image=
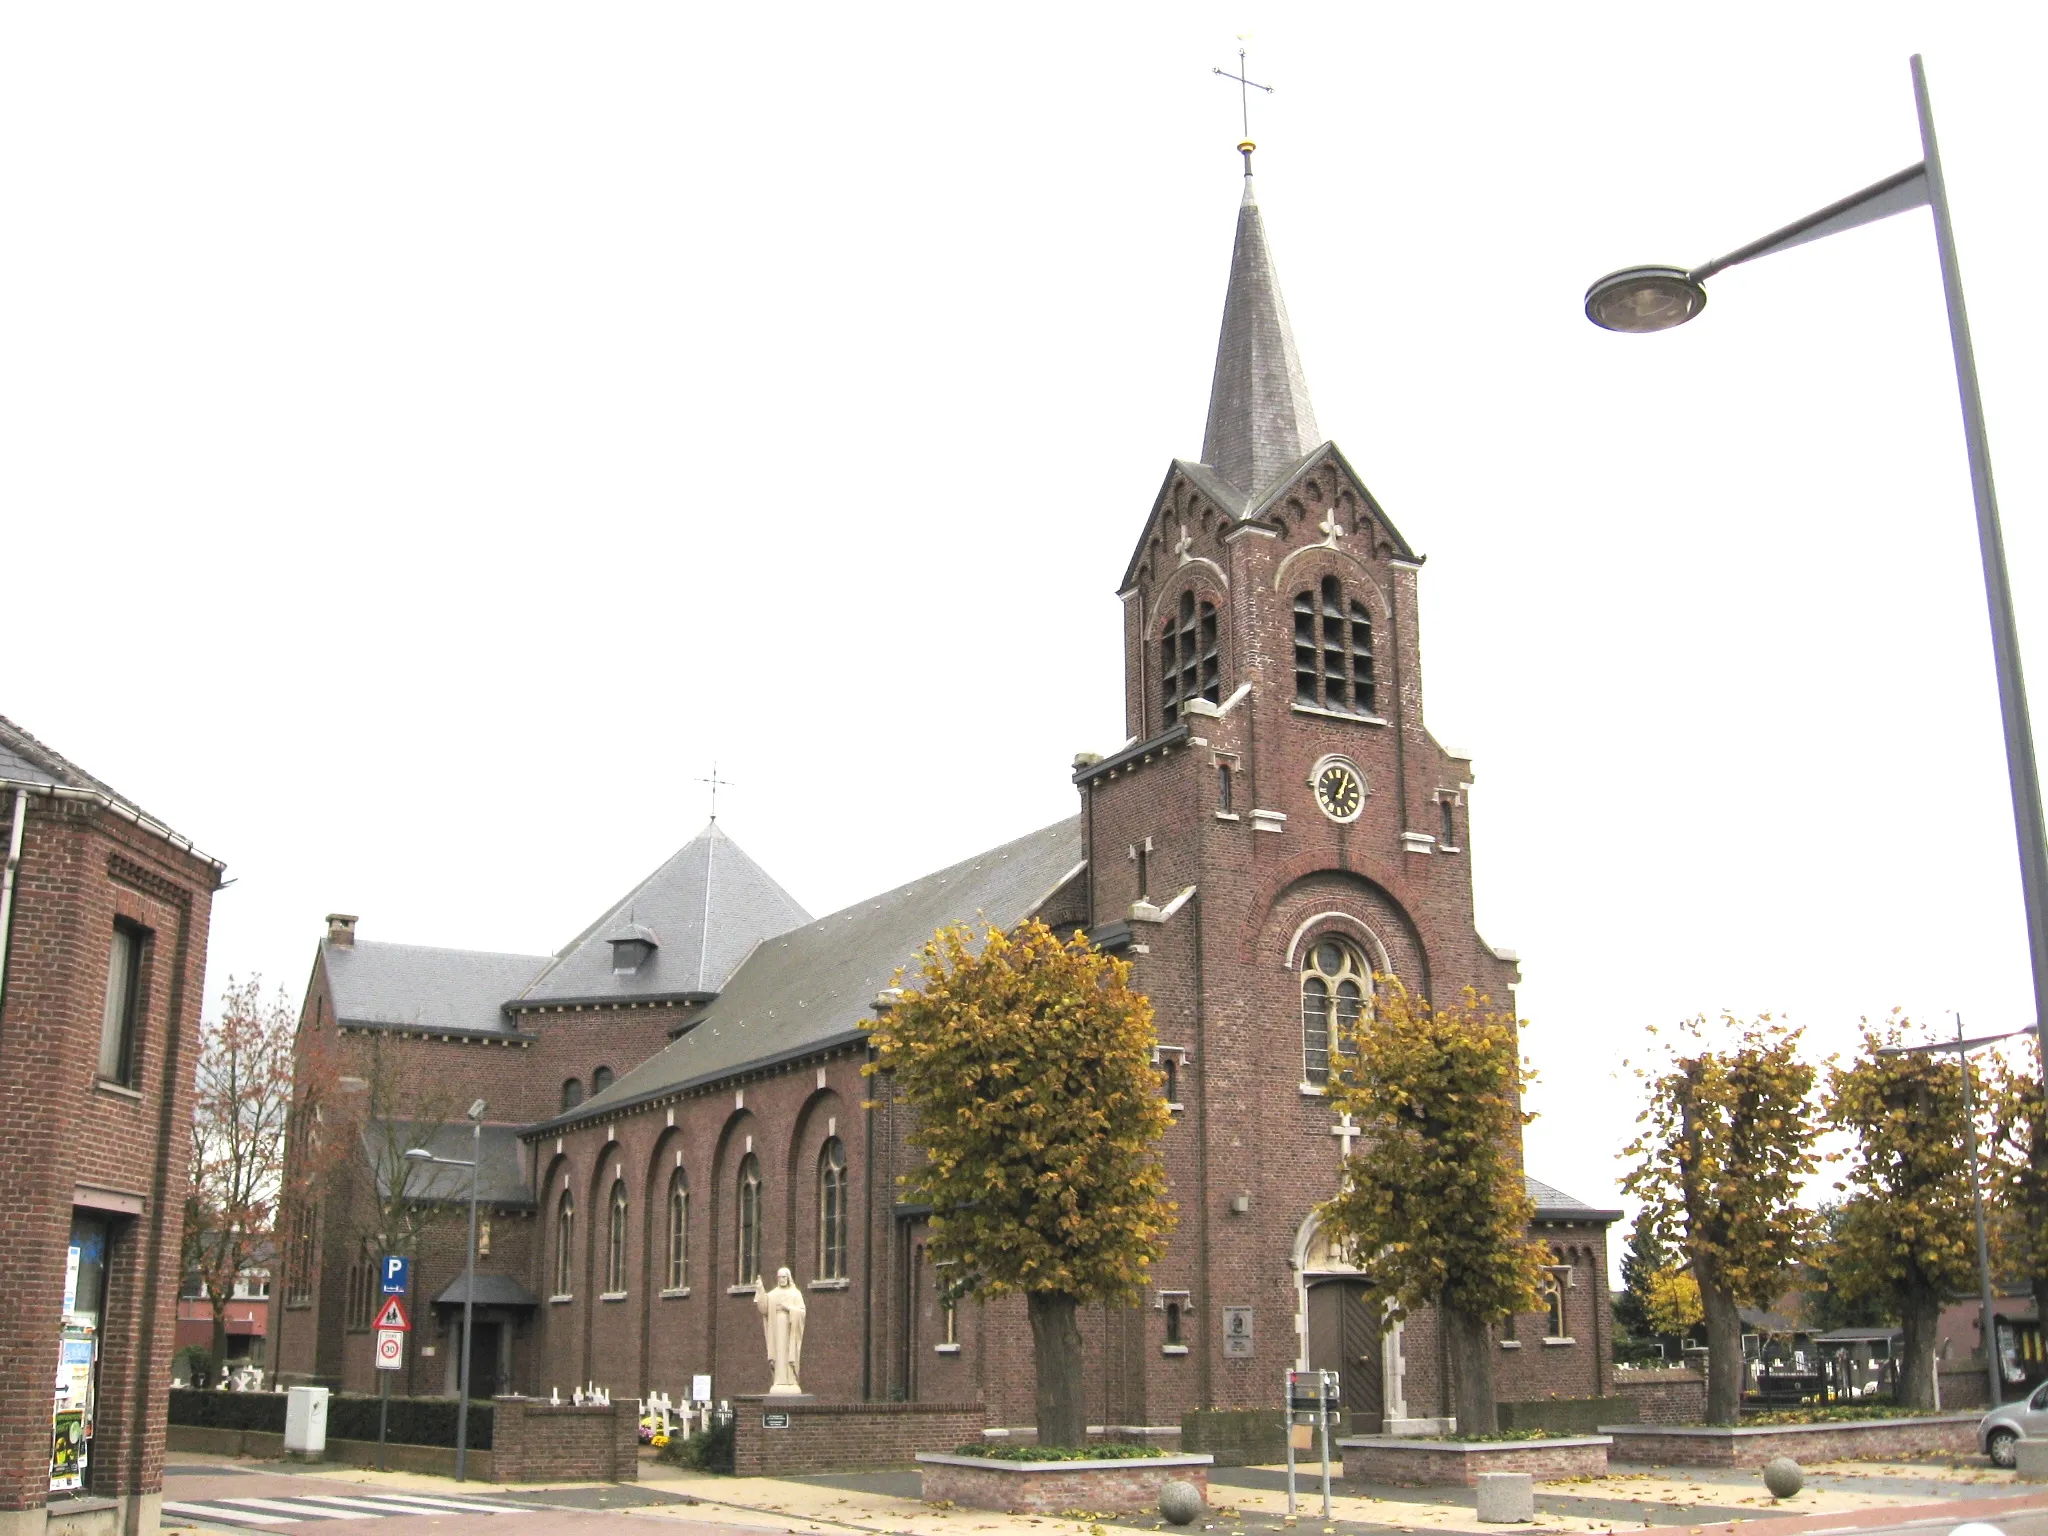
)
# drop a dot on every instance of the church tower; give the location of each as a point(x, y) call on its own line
point(1279, 827)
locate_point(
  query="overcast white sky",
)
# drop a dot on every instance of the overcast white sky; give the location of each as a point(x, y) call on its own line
point(433, 434)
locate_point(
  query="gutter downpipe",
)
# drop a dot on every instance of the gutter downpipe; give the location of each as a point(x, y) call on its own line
point(7, 884)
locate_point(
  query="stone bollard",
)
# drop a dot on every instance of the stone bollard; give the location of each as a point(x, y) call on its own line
point(1783, 1476)
point(1181, 1503)
point(1506, 1497)
point(2030, 1460)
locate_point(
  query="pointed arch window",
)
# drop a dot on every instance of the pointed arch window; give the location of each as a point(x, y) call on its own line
point(1333, 652)
point(749, 1250)
point(678, 1273)
point(615, 1242)
point(832, 1211)
point(1190, 657)
point(572, 1093)
point(565, 1246)
point(1335, 983)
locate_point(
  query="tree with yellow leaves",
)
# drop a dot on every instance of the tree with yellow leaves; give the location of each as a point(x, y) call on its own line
point(1028, 1061)
point(1433, 1202)
point(2018, 1197)
point(1904, 1239)
point(1727, 1143)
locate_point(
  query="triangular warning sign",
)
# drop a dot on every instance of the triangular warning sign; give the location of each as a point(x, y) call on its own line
point(393, 1315)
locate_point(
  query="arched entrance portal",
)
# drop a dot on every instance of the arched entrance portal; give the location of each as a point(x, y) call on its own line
point(1339, 1326)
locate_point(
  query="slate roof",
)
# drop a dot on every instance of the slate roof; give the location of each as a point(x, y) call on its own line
point(812, 986)
point(1260, 418)
point(1556, 1205)
point(413, 986)
point(705, 908)
point(501, 1166)
point(25, 760)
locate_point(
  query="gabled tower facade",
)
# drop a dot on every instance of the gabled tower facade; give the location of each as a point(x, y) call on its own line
point(1279, 828)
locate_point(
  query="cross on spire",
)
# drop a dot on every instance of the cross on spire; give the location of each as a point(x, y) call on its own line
point(1245, 86)
point(715, 782)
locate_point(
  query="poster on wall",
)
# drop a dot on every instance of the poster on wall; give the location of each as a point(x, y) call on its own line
point(67, 1450)
point(71, 1417)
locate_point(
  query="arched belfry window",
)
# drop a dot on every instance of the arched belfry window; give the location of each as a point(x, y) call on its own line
point(749, 1251)
point(572, 1093)
point(1333, 651)
point(832, 1211)
point(1190, 661)
point(565, 1246)
point(615, 1241)
point(1335, 982)
point(678, 1275)
point(601, 1079)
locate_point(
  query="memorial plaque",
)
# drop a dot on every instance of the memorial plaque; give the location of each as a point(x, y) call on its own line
point(775, 1421)
point(1237, 1332)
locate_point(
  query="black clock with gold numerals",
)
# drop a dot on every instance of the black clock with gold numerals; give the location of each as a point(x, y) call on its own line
point(1338, 791)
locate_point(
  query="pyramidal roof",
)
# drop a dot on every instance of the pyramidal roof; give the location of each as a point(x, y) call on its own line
point(1260, 421)
point(704, 910)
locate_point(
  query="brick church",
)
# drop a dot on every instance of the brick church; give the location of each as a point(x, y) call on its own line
point(675, 1104)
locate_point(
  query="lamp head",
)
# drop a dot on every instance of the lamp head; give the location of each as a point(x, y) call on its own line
point(419, 1155)
point(476, 1110)
point(1638, 299)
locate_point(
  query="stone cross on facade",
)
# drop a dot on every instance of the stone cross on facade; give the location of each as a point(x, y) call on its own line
point(1186, 543)
point(1346, 1133)
point(1332, 532)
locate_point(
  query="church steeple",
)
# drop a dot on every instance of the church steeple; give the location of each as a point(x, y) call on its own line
point(1260, 419)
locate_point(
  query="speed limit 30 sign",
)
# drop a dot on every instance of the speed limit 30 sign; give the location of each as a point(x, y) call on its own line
point(390, 1349)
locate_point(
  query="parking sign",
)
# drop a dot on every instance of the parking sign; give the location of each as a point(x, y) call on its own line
point(396, 1275)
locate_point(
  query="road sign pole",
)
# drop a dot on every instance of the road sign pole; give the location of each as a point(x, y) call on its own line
point(383, 1413)
point(1323, 1424)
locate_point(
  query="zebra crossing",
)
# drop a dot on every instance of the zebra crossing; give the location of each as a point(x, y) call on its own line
point(262, 1514)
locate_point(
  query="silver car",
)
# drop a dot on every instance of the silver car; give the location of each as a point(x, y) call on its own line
point(2002, 1428)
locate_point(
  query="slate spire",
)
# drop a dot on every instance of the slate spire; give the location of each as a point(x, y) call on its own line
point(1260, 419)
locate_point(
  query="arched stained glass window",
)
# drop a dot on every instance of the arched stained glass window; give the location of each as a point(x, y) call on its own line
point(832, 1211)
point(749, 1224)
point(1335, 983)
point(615, 1241)
point(565, 1246)
point(678, 1276)
point(601, 1079)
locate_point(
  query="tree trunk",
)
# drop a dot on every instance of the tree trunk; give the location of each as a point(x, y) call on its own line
point(1919, 1316)
point(1056, 1352)
point(217, 1350)
point(1471, 1372)
point(1724, 1353)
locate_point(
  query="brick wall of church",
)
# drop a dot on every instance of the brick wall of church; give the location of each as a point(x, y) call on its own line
point(70, 1138)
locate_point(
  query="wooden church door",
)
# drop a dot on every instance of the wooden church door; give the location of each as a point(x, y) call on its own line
point(1344, 1336)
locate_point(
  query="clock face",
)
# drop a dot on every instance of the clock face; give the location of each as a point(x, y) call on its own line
point(1339, 792)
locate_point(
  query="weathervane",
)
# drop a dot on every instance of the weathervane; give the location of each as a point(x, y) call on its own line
point(715, 781)
point(1245, 87)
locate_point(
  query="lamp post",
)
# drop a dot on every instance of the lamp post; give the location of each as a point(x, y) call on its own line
point(422, 1155)
point(1642, 299)
point(1987, 1307)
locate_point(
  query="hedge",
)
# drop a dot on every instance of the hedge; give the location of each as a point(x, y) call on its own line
point(414, 1420)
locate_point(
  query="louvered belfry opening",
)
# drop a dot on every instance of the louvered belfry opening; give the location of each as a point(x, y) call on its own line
point(1190, 661)
point(1333, 652)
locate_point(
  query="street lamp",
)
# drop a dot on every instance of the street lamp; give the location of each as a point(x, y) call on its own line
point(1643, 299)
point(422, 1155)
point(1987, 1307)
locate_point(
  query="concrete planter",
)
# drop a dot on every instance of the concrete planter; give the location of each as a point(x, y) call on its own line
point(1675, 1445)
point(1124, 1487)
point(1454, 1463)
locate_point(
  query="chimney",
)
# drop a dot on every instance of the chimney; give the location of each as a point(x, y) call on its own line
point(341, 929)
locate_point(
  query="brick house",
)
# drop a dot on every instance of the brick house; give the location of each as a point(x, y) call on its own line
point(103, 929)
point(1278, 826)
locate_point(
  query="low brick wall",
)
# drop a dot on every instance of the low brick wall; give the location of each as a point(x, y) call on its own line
point(1865, 1440)
point(1673, 1396)
point(1566, 1415)
point(1051, 1487)
point(438, 1460)
point(1235, 1437)
point(536, 1441)
point(1452, 1463)
point(845, 1437)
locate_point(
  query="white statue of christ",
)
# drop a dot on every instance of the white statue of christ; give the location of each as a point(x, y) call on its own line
point(782, 1322)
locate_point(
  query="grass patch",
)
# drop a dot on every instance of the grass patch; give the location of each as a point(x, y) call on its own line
point(1108, 1450)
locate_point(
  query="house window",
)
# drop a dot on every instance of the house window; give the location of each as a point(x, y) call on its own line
point(1333, 652)
point(600, 1080)
point(572, 1094)
point(678, 1230)
point(1223, 788)
point(1171, 1067)
point(117, 1024)
point(832, 1211)
point(1448, 811)
point(1189, 665)
point(565, 1246)
point(615, 1242)
point(749, 1254)
point(1335, 981)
